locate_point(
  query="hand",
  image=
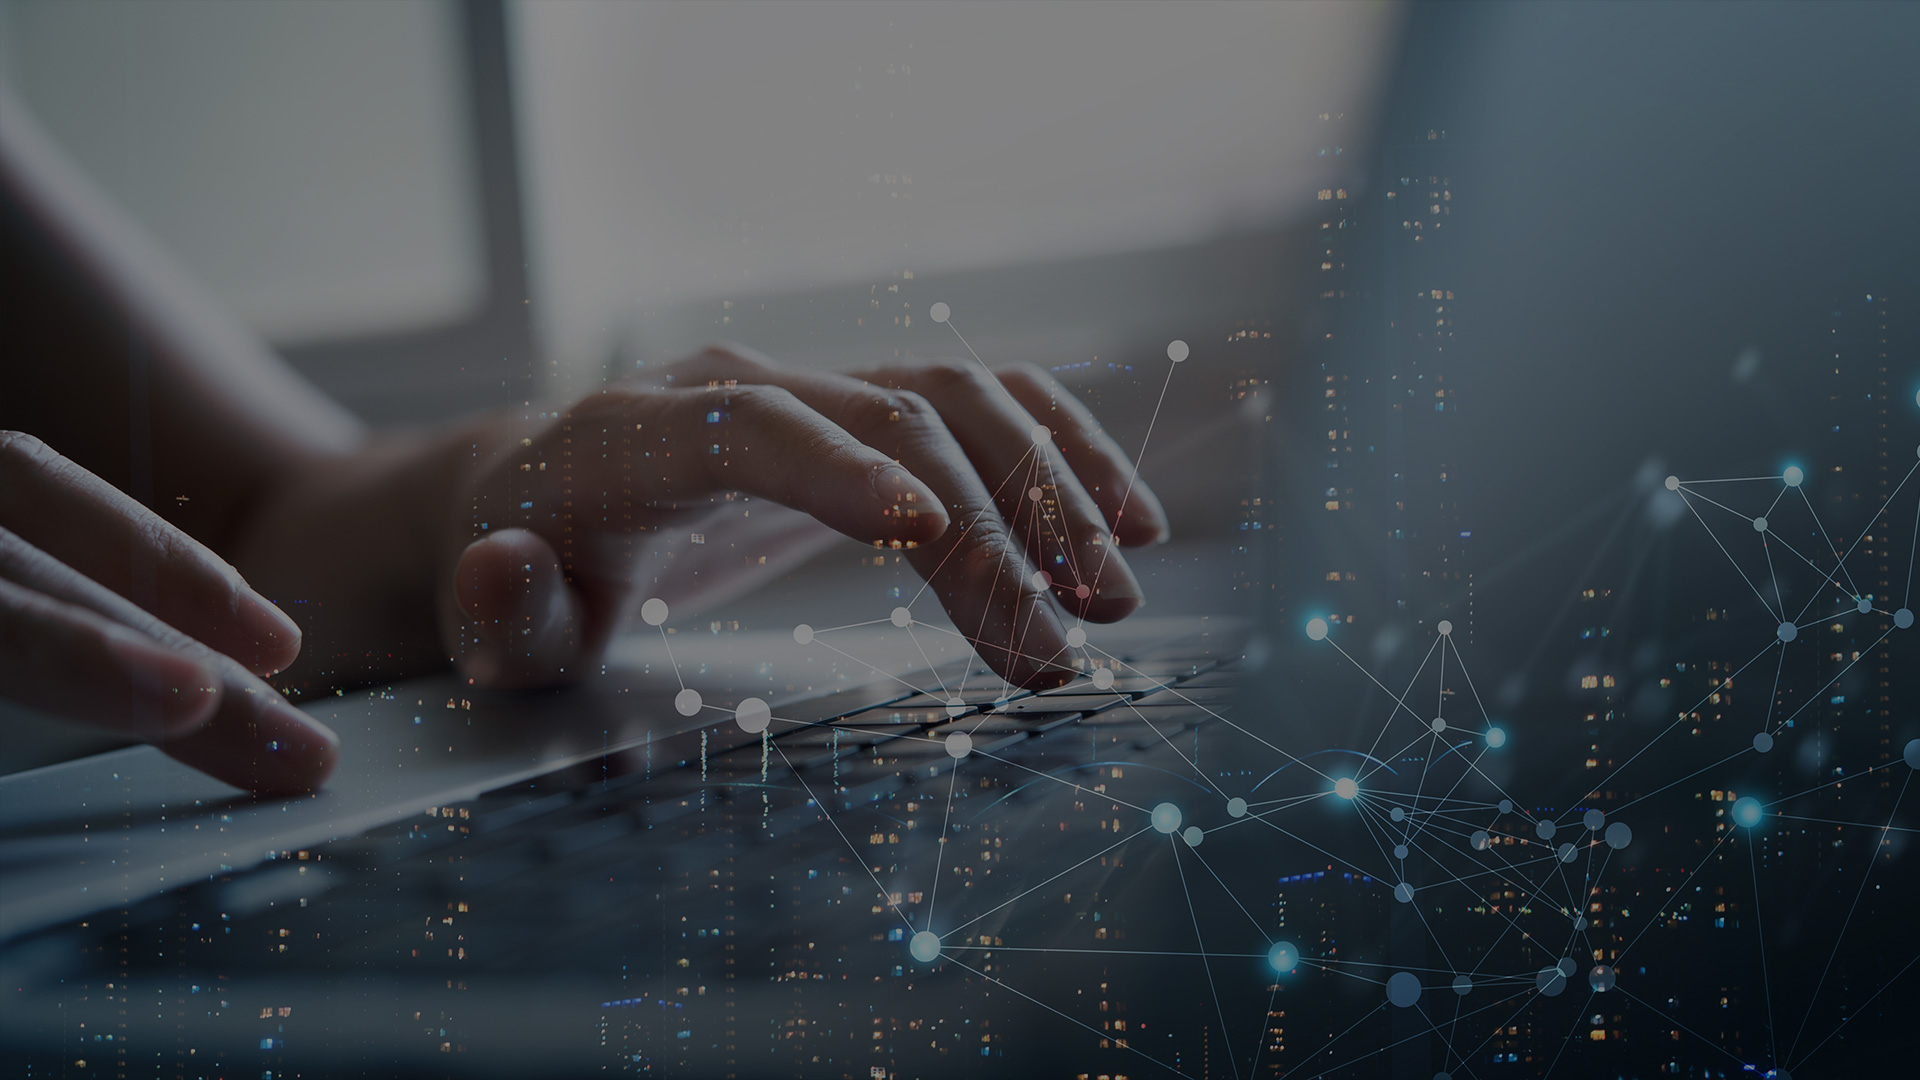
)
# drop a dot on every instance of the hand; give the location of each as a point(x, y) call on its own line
point(939, 460)
point(179, 668)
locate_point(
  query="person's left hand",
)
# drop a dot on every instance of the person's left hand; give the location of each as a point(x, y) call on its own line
point(1011, 527)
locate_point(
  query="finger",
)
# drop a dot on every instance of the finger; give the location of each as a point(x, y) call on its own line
point(1130, 506)
point(250, 738)
point(56, 505)
point(72, 664)
point(1059, 522)
point(521, 624)
point(976, 569)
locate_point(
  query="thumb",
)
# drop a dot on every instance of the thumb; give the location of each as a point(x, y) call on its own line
point(520, 624)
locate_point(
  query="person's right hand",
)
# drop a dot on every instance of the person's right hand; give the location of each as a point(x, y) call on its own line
point(138, 629)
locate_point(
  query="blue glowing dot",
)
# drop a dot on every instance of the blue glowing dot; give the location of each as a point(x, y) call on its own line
point(1747, 812)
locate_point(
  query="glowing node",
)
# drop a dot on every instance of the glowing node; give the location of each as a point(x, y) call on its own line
point(1760, 524)
point(955, 706)
point(1673, 483)
point(1403, 989)
point(1445, 627)
point(1317, 629)
point(1177, 350)
point(1462, 985)
point(1568, 853)
point(1579, 923)
point(1192, 835)
point(1793, 476)
point(1593, 820)
point(925, 945)
point(1567, 966)
point(1480, 840)
point(1763, 742)
point(1397, 814)
point(753, 715)
point(1041, 579)
point(1400, 851)
point(1619, 835)
point(1082, 591)
point(1283, 956)
point(1506, 806)
point(1103, 678)
point(1864, 606)
point(1747, 812)
point(1545, 829)
point(1403, 892)
point(1911, 755)
point(1788, 631)
point(1903, 618)
point(1237, 806)
point(803, 634)
point(1496, 738)
point(1034, 493)
point(1550, 982)
point(1165, 818)
point(901, 617)
point(686, 702)
point(940, 312)
point(654, 611)
point(1076, 637)
point(1601, 978)
point(1346, 787)
point(1041, 434)
point(959, 745)
point(1439, 724)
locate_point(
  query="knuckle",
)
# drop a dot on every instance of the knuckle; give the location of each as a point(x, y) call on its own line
point(953, 374)
point(757, 402)
point(1027, 377)
point(886, 409)
point(986, 541)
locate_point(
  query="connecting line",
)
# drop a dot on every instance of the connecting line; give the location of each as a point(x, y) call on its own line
point(933, 670)
point(1815, 696)
point(1326, 1047)
point(1218, 1009)
point(1662, 909)
point(1684, 713)
point(1768, 608)
point(1913, 549)
point(1208, 867)
point(676, 664)
point(1135, 475)
point(1721, 505)
point(1026, 892)
point(1260, 1045)
point(1126, 1043)
point(1578, 1013)
point(1862, 1008)
point(1888, 502)
point(1855, 824)
point(1195, 766)
point(1834, 783)
point(1045, 776)
point(857, 857)
point(1813, 1000)
point(1101, 952)
point(1643, 1002)
point(940, 852)
point(1316, 847)
point(875, 670)
point(1778, 597)
point(1399, 700)
point(1431, 1029)
point(1766, 977)
point(1703, 769)
point(1732, 480)
point(926, 580)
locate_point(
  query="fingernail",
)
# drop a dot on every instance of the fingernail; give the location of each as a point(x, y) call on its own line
point(295, 753)
point(182, 690)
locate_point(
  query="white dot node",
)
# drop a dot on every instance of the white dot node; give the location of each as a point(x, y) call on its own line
point(1177, 350)
point(1165, 818)
point(1496, 738)
point(1864, 606)
point(1673, 483)
point(1793, 476)
point(1445, 627)
point(1400, 851)
point(1903, 618)
point(1567, 966)
point(1076, 637)
point(1594, 820)
point(901, 617)
point(1237, 806)
point(1103, 678)
point(1747, 811)
point(1601, 978)
point(1034, 493)
point(1579, 923)
point(1462, 985)
point(1545, 830)
point(1568, 852)
point(803, 634)
point(940, 311)
point(959, 745)
point(1403, 989)
point(1480, 840)
point(1619, 835)
point(1763, 742)
point(1911, 755)
point(1788, 631)
point(1397, 814)
point(686, 702)
point(925, 945)
point(752, 715)
point(1193, 835)
point(1760, 524)
point(1041, 434)
point(1403, 892)
point(1317, 629)
point(955, 706)
point(654, 611)
point(1082, 591)
point(1550, 982)
point(1283, 956)
point(1041, 579)
point(1506, 806)
point(1439, 724)
point(1346, 787)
